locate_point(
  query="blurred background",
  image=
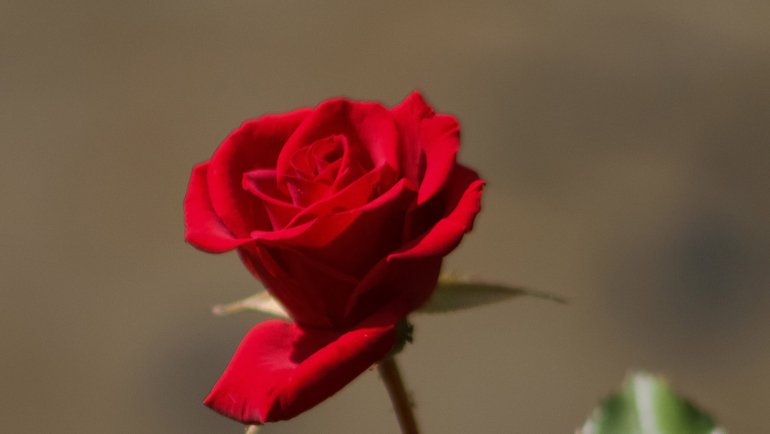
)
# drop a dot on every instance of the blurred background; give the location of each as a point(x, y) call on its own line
point(627, 150)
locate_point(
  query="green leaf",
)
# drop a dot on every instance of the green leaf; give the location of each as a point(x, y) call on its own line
point(454, 294)
point(260, 302)
point(647, 405)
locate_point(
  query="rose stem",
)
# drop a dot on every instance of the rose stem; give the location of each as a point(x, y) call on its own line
point(398, 396)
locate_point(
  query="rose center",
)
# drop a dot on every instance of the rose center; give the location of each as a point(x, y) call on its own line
point(321, 161)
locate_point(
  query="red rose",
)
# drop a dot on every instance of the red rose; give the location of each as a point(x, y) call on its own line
point(344, 212)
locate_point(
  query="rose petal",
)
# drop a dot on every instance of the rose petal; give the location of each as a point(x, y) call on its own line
point(360, 192)
point(368, 127)
point(203, 228)
point(316, 232)
point(405, 285)
point(408, 114)
point(313, 292)
point(420, 260)
point(304, 192)
point(329, 172)
point(349, 242)
point(327, 151)
point(254, 145)
point(463, 196)
point(307, 182)
point(280, 369)
point(262, 184)
point(354, 241)
point(302, 303)
point(429, 144)
point(440, 138)
point(323, 288)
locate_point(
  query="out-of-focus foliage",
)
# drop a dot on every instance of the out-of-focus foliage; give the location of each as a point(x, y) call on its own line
point(455, 293)
point(647, 405)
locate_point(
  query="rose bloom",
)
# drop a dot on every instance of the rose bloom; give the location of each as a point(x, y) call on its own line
point(344, 212)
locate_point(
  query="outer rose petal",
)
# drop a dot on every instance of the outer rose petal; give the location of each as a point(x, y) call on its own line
point(404, 285)
point(203, 228)
point(463, 198)
point(427, 139)
point(301, 303)
point(254, 145)
point(418, 263)
point(408, 115)
point(440, 138)
point(280, 370)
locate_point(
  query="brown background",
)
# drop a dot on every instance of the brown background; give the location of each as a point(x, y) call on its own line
point(625, 145)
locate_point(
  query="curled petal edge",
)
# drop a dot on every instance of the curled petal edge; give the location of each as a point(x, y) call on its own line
point(427, 138)
point(465, 188)
point(203, 227)
point(464, 191)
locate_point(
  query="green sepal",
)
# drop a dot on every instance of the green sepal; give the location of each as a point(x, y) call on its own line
point(404, 335)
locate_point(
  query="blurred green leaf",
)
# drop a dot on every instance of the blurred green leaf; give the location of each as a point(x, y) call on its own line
point(456, 294)
point(260, 302)
point(647, 405)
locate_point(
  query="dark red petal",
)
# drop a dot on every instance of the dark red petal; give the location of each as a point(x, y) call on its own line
point(314, 233)
point(429, 139)
point(349, 243)
point(440, 138)
point(305, 192)
point(368, 127)
point(408, 115)
point(354, 241)
point(357, 194)
point(254, 145)
point(371, 219)
point(417, 264)
point(311, 291)
point(203, 228)
point(463, 198)
point(323, 288)
point(404, 285)
point(301, 302)
point(262, 184)
point(281, 370)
